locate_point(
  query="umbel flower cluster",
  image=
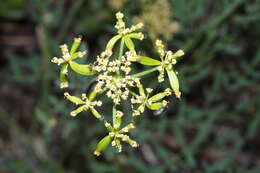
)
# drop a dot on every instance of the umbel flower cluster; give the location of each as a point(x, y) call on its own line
point(114, 79)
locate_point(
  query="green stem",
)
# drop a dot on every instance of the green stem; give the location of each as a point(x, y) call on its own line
point(121, 49)
point(145, 72)
point(133, 93)
point(114, 114)
point(94, 94)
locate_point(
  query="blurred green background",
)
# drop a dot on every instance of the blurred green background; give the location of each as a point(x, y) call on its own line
point(213, 128)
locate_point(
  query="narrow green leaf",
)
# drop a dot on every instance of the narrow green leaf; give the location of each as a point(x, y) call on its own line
point(73, 99)
point(109, 126)
point(64, 76)
point(92, 95)
point(127, 128)
point(129, 43)
point(118, 145)
point(75, 45)
point(114, 113)
point(141, 90)
point(81, 69)
point(102, 145)
point(148, 61)
point(95, 113)
point(174, 82)
point(112, 42)
point(135, 35)
point(77, 111)
point(79, 54)
point(132, 142)
point(157, 97)
point(155, 106)
point(117, 123)
point(143, 73)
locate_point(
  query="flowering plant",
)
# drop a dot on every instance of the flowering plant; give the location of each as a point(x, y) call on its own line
point(115, 80)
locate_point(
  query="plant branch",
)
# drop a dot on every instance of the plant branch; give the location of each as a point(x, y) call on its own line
point(145, 72)
point(121, 48)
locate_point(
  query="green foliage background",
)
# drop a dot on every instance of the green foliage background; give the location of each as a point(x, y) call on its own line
point(213, 128)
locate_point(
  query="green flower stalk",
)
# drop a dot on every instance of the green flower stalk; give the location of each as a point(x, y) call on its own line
point(115, 79)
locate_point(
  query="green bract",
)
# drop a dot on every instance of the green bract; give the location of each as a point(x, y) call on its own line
point(148, 61)
point(81, 69)
point(113, 78)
